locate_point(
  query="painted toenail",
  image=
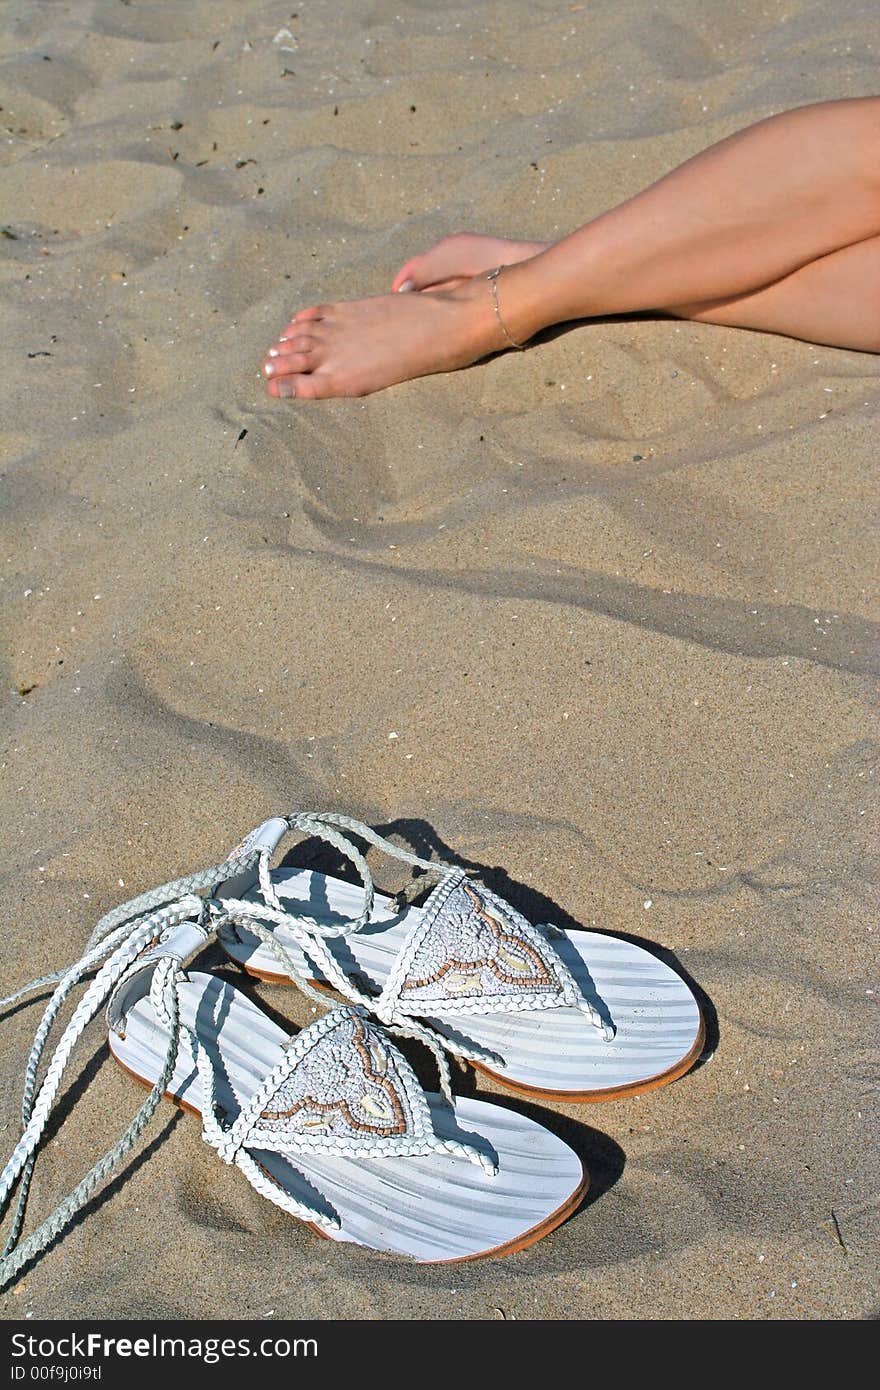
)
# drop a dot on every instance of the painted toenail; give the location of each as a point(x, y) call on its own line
point(269, 369)
point(286, 388)
point(273, 352)
point(407, 285)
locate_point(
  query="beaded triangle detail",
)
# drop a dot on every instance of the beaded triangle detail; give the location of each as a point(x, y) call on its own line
point(342, 1086)
point(478, 947)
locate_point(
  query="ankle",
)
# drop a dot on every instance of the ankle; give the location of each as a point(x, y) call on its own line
point(492, 278)
point(484, 328)
point(520, 301)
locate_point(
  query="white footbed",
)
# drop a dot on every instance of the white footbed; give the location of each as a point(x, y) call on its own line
point(655, 1014)
point(433, 1208)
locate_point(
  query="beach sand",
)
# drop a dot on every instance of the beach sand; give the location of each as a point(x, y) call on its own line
point(595, 616)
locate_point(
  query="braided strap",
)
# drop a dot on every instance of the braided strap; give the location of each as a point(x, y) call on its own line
point(39, 1103)
point(326, 825)
point(114, 927)
point(131, 926)
point(68, 979)
point(254, 915)
point(15, 1257)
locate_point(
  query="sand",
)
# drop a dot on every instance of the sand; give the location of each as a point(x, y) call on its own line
point(611, 595)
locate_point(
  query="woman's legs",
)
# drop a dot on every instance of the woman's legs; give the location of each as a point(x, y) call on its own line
point(834, 300)
point(744, 233)
point(743, 214)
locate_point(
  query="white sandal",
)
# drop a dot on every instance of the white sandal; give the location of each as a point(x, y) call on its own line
point(585, 1016)
point(331, 1125)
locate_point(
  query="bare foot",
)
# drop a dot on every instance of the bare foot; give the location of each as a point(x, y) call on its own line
point(362, 345)
point(460, 257)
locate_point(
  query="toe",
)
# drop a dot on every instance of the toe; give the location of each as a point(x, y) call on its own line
point(288, 364)
point(317, 386)
point(448, 260)
point(311, 314)
point(411, 276)
point(297, 342)
point(280, 388)
point(292, 387)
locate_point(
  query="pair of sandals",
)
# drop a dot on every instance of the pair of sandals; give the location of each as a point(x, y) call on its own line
point(332, 1125)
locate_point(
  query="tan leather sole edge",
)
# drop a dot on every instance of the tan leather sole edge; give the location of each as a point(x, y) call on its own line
point(636, 1088)
point(528, 1238)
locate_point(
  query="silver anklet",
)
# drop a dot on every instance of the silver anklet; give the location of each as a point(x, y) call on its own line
point(492, 277)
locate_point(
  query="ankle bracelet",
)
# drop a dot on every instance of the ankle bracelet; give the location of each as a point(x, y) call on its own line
point(492, 277)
